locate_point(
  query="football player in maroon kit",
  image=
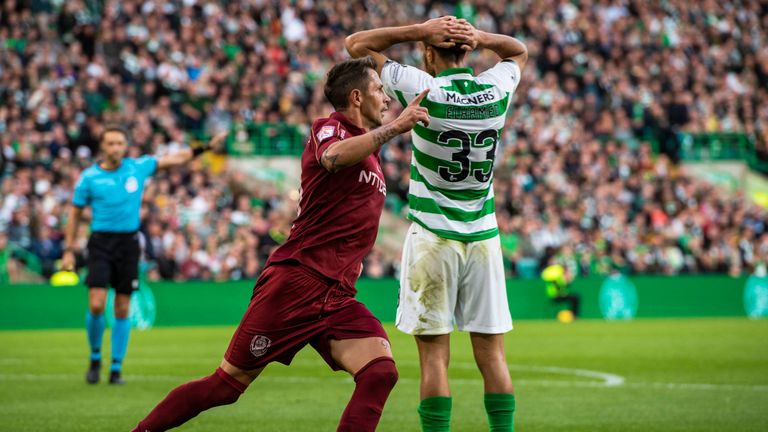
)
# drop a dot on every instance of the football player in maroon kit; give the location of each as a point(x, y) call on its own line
point(306, 294)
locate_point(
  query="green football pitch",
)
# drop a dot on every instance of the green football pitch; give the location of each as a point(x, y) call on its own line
point(646, 375)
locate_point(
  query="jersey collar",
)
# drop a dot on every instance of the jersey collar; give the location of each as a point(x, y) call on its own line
point(353, 128)
point(454, 71)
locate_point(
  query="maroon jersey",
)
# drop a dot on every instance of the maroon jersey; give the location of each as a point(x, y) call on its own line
point(338, 213)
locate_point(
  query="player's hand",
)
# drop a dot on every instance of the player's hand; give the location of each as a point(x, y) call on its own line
point(68, 261)
point(470, 35)
point(413, 114)
point(445, 32)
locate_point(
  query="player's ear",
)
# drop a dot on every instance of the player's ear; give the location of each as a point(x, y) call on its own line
point(429, 57)
point(356, 97)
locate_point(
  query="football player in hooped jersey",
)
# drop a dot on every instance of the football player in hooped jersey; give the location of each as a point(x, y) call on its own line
point(452, 270)
point(306, 295)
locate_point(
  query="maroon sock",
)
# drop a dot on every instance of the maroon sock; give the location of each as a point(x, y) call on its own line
point(374, 382)
point(190, 399)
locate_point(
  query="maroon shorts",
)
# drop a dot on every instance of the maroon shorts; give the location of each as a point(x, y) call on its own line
point(293, 306)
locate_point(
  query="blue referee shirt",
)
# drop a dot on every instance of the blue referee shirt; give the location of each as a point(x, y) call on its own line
point(114, 196)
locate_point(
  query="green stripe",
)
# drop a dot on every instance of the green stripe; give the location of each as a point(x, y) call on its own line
point(430, 162)
point(428, 205)
point(431, 136)
point(465, 87)
point(454, 71)
point(456, 195)
point(401, 98)
point(466, 112)
point(453, 235)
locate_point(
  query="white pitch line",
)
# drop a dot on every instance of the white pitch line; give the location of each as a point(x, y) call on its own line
point(607, 379)
point(25, 377)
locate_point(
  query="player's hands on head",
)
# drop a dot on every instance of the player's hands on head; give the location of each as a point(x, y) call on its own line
point(469, 35)
point(413, 114)
point(446, 31)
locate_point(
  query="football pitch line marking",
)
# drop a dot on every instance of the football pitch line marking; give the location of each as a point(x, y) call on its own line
point(605, 379)
point(26, 377)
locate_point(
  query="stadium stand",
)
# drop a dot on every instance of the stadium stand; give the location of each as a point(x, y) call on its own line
point(616, 96)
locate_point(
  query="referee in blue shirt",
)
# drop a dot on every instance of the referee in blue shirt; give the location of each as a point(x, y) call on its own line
point(113, 188)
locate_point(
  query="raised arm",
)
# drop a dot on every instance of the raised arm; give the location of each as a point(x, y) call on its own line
point(443, 32)
point(507, 47)
point(183, 156)
point(351, 151)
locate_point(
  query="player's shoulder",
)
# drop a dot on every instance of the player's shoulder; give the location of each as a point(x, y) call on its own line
point(325, 121)
point(502, 68)
point(91, 171)
point(505, 74)
point(395, 70)
point(87, 175)
point(327, 127)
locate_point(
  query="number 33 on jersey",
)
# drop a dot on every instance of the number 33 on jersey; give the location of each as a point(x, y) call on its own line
point(451, 191)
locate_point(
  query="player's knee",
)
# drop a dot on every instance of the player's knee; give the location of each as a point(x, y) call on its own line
point(380, 372)
point(96, 307)
point(491, 362)
point(122, 305)
point(121, 311)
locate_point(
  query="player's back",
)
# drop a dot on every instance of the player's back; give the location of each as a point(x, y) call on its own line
point(451, 191)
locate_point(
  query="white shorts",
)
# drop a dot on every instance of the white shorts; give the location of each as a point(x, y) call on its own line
point(442, 280)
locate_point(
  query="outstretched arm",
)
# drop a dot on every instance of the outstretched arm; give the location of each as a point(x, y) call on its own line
point(443, 32)
point(183, 156)
point(351, 151)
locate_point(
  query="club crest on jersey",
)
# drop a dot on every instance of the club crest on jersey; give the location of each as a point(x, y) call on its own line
point(259, 345)
point(325, 133)
point(131, 184)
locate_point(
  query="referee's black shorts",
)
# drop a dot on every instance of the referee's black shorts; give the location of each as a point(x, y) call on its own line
point(113, 260)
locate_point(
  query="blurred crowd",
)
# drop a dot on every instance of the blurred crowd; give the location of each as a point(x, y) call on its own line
point(197, 224)
point(576, 178)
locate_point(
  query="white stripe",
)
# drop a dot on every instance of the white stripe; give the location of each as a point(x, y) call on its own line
point(437, 221)
point(420, 190)
point(440, 95)
point(342, 379)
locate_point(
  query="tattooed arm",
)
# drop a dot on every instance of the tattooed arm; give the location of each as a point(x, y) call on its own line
point(351, 151)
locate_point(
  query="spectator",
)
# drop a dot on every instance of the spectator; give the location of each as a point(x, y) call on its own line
point(577, 178)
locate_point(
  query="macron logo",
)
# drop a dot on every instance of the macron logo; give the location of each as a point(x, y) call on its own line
point(370, 177)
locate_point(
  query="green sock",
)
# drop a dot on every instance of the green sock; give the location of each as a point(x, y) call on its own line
point(501, 411)
point(435, 413)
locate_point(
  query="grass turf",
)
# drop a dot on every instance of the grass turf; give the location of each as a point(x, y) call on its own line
point(678, 375)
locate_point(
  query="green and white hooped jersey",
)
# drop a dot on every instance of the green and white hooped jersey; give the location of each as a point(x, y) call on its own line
point(451, 191)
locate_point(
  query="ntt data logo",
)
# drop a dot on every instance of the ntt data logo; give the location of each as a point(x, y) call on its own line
point(756, 297)
point(259, 345)
point(618, 298)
